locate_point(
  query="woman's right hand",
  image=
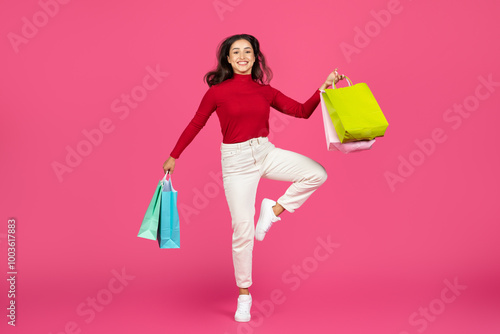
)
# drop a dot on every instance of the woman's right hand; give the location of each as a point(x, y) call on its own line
point(169, 165)
point(333, 77)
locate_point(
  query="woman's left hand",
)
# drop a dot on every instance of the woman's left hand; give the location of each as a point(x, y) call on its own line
point(332, 77)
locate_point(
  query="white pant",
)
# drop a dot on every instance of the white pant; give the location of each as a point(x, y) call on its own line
point(243, 164)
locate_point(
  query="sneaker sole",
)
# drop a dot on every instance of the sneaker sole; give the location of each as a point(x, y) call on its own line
point(260, 215)
point(242, 320)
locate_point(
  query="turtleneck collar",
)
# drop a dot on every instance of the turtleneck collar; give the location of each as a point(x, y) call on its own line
point(242, 77)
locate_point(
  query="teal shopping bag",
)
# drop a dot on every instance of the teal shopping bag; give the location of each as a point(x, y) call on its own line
point(149, 226)
point(169, 229)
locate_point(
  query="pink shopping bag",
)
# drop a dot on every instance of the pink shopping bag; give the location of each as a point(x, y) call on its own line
point(332, 139)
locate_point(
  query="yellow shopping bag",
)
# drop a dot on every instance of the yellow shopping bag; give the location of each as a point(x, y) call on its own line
point(355, 113)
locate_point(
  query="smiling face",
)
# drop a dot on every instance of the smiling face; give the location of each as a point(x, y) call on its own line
point(241, 57)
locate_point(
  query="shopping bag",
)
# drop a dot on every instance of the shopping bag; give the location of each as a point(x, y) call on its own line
point(169, 229)
point(149, 226)
point(355, 113)
point(332, 139)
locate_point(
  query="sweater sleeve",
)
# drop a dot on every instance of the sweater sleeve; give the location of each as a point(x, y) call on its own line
point(289, 106)
point(205, 110)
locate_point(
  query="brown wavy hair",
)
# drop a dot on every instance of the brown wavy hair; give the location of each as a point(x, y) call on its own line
point(260, 71)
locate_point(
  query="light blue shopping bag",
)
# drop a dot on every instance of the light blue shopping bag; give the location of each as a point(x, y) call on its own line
point(169, 229)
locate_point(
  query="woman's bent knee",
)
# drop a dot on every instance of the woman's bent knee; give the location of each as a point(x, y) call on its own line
point(321, 175)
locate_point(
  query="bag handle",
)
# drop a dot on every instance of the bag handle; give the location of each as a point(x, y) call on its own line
point(348, 81)
point(164, 179)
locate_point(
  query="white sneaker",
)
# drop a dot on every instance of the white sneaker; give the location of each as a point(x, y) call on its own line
point(266, 218)
point(243, 311)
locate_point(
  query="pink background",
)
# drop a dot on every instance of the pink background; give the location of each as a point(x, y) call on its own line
point(397, 243)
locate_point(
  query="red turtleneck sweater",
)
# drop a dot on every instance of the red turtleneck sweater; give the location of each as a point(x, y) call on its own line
point(243, 107)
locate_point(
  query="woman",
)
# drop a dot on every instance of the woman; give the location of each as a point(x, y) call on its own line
point(242, 98)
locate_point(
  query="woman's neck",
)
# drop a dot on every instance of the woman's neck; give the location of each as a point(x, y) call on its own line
point(242, 77)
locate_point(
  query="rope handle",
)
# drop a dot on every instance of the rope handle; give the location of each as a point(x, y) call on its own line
point(164, 179)
point(348, 81)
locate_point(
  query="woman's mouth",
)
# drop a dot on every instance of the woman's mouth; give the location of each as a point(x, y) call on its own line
point(242, 63)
